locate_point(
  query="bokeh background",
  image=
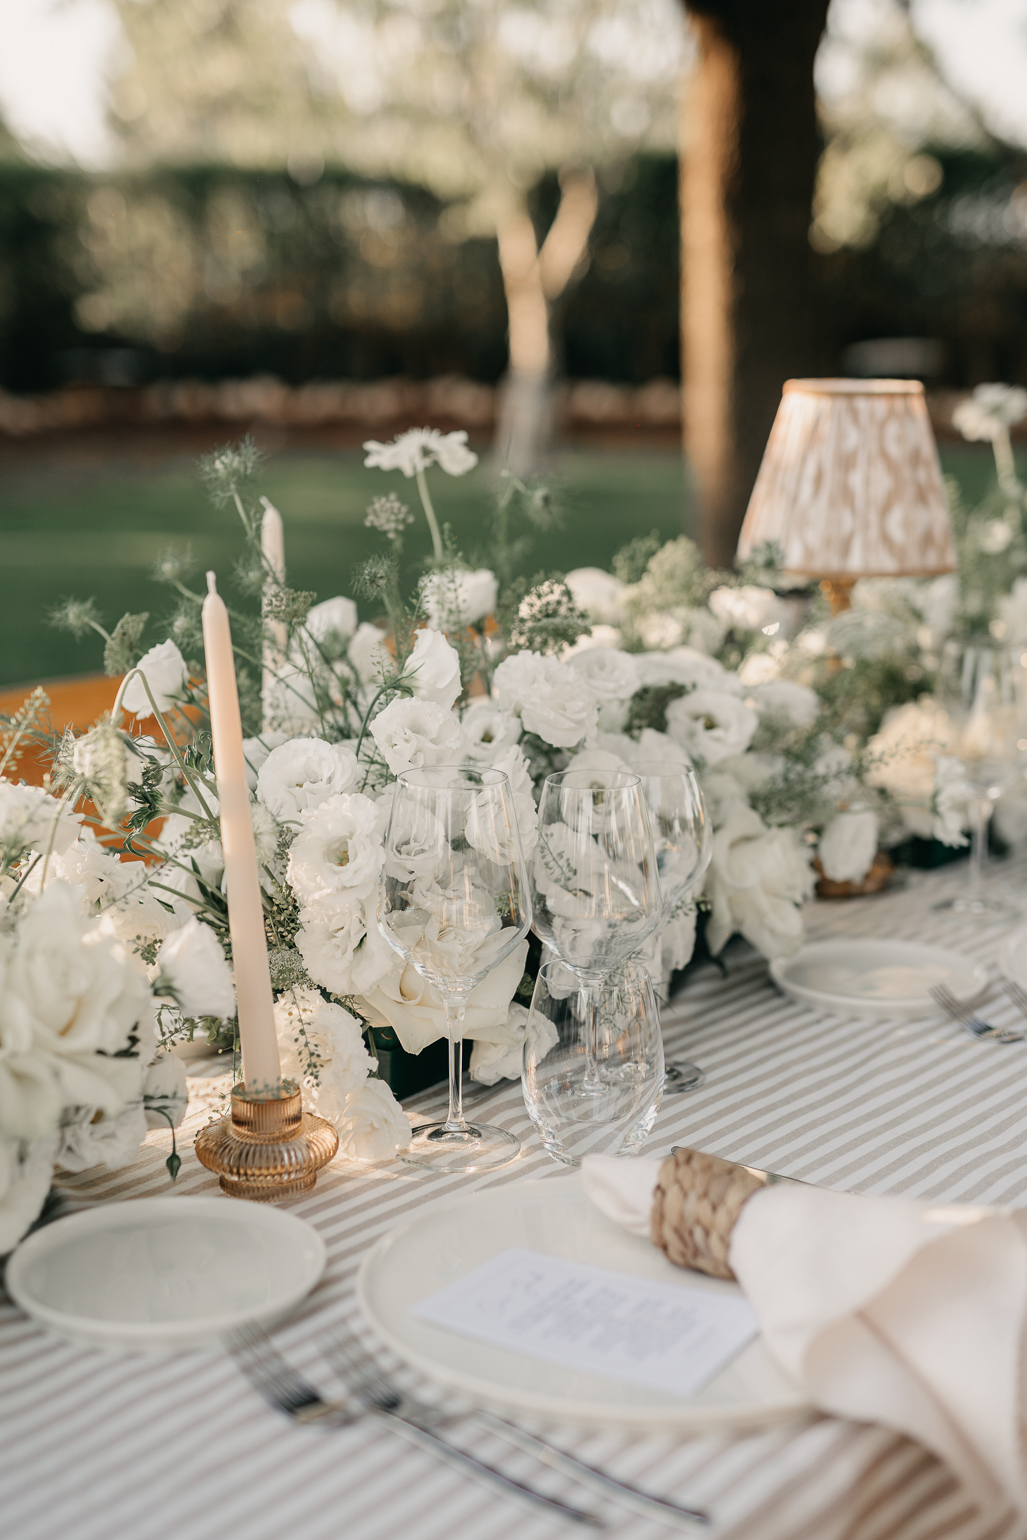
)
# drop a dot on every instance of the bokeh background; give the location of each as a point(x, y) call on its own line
point(315, 220)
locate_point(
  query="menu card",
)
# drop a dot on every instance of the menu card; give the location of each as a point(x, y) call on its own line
point(672, 1337)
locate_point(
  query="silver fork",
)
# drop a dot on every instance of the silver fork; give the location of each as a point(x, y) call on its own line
point(969, 1020)
point(364, 1378)
point(1016, 993)
point(286, 1390)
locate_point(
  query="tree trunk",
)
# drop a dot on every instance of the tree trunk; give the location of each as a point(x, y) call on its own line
point(750, 146)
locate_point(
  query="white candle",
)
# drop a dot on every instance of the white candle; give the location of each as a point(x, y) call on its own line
point(272, 544)
point(257, 1035)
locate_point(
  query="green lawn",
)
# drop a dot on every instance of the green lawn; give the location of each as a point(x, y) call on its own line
point(96, 530)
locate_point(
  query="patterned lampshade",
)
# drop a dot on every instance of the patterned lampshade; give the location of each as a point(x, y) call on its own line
point(850, 484)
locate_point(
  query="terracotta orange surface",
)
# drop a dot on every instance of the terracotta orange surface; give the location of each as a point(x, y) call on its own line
point(73, 703)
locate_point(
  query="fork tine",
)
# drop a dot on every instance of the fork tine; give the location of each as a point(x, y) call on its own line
point(268, 1372)
point(357, 1368)
point(1016, 993)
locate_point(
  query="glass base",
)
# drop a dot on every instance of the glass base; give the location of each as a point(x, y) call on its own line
point(681, 1077)
point(980, 907)
point(475, 1147)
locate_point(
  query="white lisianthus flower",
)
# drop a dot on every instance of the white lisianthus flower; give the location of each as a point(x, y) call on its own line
point(758, 880)
point(758, 668)
point(848, 846)
point(711, 725)
point(784, 703)
point(433, 668)
point(417, 842)
point(991, 410)
point(166, 674)
point(340, 943)
point(950, 803)
point(27, 815)
point(165, 1093)
point(598, 593)
point(331, 624)
point(457, 598)
point(687, 666)
point(415, 733)
point(323, 1046)
point(337, 849)
point(661, 629)
point(599, 636)
point(612, 676)
point(30, 1097)
point(489, 731)
point(369, 655)
point(303, 773)
point(372, 1125)
point(406, 1002)
point(418, 448)
point(659, 754)
point(93, 1137)
point(502, 1058)
point(553, 700)
point(26, 1174)
point(902, 756)
point(750, 608)
point(518, 771)
point(193, 969)
point(255, 752)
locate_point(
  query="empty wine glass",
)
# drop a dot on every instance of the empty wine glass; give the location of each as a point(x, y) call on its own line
point(627, 1054)
point(683, 840)
point(454, 903)
point(595, 890)
point(983, 691)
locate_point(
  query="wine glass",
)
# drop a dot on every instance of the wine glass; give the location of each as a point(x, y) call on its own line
point(683, 839)
point(595, 889)
point(628, 1052)
point(454, 903)
point(983, 691)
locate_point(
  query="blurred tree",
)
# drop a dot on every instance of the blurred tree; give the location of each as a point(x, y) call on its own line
point(750, 144)
point(474, 101)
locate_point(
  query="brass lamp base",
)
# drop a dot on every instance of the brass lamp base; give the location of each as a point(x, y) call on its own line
point(268, 1149)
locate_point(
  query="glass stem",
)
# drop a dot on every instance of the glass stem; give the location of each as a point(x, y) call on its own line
point(590, 1003)
point(455, 1032)
point(980, 814)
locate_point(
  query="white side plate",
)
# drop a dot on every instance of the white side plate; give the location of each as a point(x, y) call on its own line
point(554, 1216)
point(876, 977)
point(164, 1275)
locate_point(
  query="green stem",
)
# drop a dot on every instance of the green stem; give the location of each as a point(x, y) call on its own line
point(429, 513)
point(70, 795)
point(168, 735)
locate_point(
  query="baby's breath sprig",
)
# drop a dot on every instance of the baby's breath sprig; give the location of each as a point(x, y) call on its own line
point(122, 649)
point(388, 516)
point(227, 470)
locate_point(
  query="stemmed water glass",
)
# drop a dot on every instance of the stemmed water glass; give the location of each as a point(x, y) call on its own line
point(683, 840)
point(454, 903)
point(595, 889)
point(983, 691)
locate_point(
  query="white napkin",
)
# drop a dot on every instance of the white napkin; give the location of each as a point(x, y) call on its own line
point(883, 1310)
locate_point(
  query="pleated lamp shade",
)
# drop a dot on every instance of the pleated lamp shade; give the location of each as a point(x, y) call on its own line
point(850, 484)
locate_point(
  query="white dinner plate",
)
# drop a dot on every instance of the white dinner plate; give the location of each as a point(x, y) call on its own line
point(164, 1275)
point(1013, 958)
point(872, 977)
point(554, 1216)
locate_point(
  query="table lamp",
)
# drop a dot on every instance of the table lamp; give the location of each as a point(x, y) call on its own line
point(850, 486)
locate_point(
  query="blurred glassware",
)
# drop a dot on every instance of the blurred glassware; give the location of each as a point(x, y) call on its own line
point(983, 691)
point(683, 840)
point(593, 1065)
point(454, 903)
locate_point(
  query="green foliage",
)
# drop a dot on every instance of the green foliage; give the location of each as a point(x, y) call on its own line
point(122, 650)
point(227, 471)
point(632, 559)
point(648, 707)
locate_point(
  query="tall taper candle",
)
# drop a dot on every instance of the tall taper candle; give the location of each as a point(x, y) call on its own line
point(272, 544)
point(257, 1035)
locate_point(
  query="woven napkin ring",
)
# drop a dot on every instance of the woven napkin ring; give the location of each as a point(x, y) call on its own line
point(696, 1202)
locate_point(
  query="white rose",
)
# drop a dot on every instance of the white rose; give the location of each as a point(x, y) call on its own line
point(407, 1002)
point(598, 593)
point(303, 773)
point(341, 945)
point(612, 676)
point(27, 815)
point(749, 608)
point(711, 725)
point(372, 1125)
point(369, 655)
point(26, 1173)
point(433, 668)
point(848, 846)
point(193, 969)
point(489, 731)
point(166, 674)
point(331, 624)
point(255, 752)
point(758, 880)
point(458, 598)
point(785, 703)
point(337, 849)
point(687, 666)
point(552, 699)
point(93, 1137)
point(502, 1060)
point(415, 733)
point(165, 1093)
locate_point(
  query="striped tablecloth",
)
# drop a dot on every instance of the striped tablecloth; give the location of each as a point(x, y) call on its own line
point(101, 1448)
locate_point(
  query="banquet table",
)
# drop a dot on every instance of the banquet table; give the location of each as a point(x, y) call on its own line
point(94, 1445)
